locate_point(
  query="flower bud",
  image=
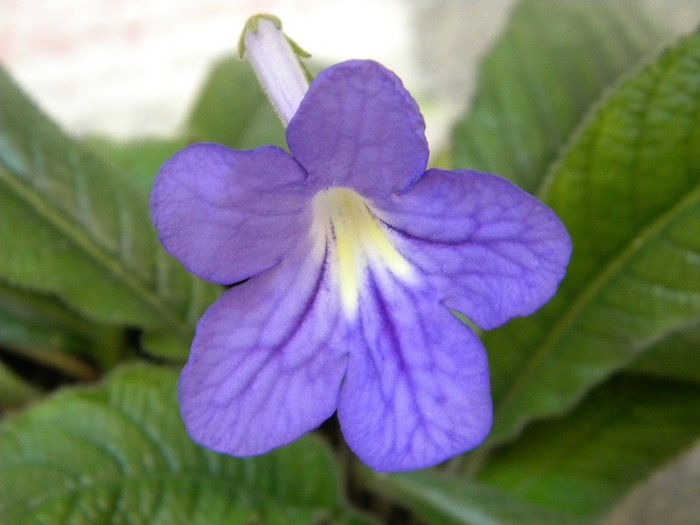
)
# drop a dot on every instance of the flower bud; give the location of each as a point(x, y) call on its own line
point(275, 60)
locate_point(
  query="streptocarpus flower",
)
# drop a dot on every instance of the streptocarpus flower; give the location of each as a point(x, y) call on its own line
point(355, 258)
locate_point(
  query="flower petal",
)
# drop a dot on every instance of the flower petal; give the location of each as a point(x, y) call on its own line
point(227, 214)
point(261, 372)
point(358, 127)
point(416, 390)
point(489, 249)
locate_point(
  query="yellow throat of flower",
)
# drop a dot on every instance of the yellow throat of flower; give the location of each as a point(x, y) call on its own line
point(355, 241)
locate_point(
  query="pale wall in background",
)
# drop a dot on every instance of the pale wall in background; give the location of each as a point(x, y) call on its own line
point(126, 67)
point(133, 67)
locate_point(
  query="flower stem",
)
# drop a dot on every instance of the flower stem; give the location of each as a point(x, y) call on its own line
point(275, 60)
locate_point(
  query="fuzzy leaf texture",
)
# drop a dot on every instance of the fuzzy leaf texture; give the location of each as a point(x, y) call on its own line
point(443, 500)
point(28, 319)
point(118, 453)
point(676, 357)
point(72, 226)
point(138, 159)
point(14, 390)
point(628, 189)
point(39, 329)
point(583, 464)
point(553, 60)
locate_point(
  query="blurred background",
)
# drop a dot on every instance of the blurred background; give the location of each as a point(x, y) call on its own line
point(128, 68)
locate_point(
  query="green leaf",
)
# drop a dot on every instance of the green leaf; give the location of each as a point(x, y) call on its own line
point(233, 110)
point(583, 463)
point(71, 226)
point(30, 319)
point(446, 500)
point(14, 391)
point(553, 60)
point(36, 325)
point(118, 453)
point(676, 357)
point(39, 352)
point(628, 189)
point(668, 496)
point(139, 159)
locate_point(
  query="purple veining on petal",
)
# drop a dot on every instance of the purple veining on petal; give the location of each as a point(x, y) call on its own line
point(275, 356)
point(226, 214)
point(262, 372)
point(297, 324)
point(358, 127)
point(416, 390)
point(490, 250)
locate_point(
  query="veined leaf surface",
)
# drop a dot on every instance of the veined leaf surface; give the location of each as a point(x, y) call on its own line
point(70, 225)
point(628, 189)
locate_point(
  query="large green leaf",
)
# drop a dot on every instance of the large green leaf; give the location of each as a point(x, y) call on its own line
point(677, 356)
point(118, 453)
point(14, 390)
point(71, 226)
point(36, 325)
point(445, 500)
point(46, 343)
point(139, 159)
point(233, 110)
point(628, 189)
point(583, 463)
point(554, 59)
point(669, 496)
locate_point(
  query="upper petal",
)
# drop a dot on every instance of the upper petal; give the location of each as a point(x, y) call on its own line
point(227, 214)
point(416, 390)
point(358, 127)
point(267, 360)
point(489, 249)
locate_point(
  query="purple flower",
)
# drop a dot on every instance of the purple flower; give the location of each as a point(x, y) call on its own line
point(354, 259)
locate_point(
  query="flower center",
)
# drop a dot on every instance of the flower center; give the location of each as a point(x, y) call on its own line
point(356, 242)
